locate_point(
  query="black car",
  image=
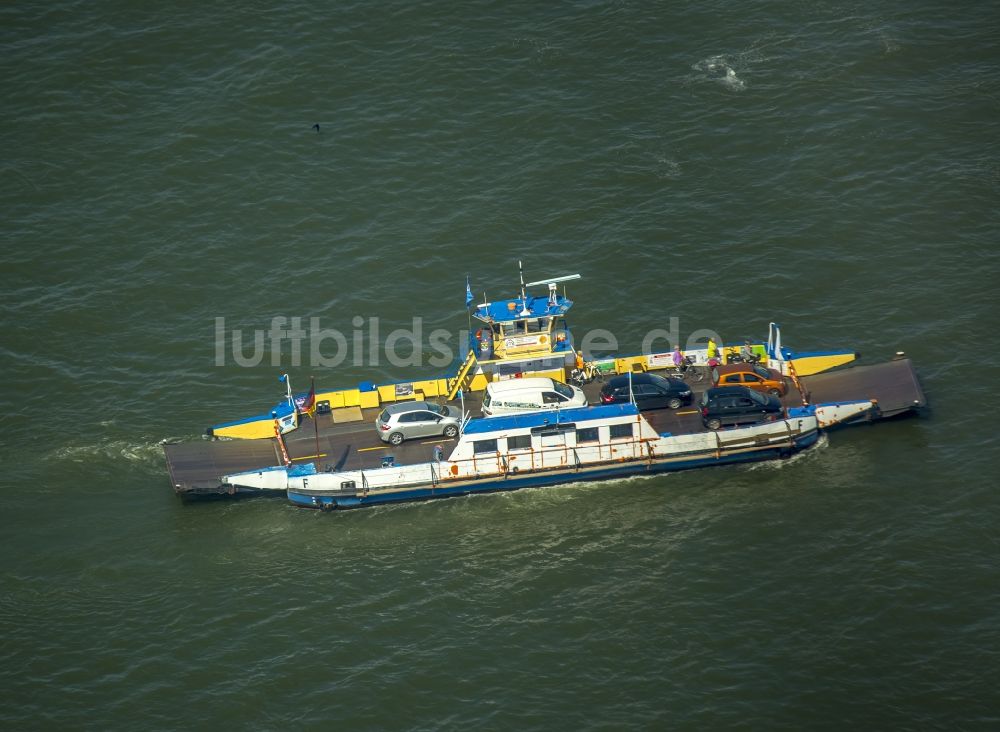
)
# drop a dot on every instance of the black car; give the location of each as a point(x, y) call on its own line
point(650, 391)
point(724, 406)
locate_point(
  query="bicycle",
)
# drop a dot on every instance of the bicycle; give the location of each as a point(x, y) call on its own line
point(589, 372)
point(687, 371)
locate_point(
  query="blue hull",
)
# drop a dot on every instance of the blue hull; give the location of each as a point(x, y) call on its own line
point(537, 480)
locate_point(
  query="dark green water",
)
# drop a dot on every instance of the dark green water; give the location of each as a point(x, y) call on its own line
point(832, 166)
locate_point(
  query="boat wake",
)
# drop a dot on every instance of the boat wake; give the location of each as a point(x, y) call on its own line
point(147, 455)
point(720, 69)
point(821, 444)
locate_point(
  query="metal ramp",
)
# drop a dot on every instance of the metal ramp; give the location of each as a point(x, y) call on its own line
point(892, 385)
point(454, 385)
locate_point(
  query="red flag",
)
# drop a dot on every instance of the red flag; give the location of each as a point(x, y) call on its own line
point(307, 404)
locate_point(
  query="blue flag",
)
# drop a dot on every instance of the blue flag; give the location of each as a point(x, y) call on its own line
point(282, 378)
point(468, 292)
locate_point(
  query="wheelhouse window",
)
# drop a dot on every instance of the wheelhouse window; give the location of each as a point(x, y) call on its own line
point(621, 430)
point(519, 442)
point(587, 434)
point(481, 447)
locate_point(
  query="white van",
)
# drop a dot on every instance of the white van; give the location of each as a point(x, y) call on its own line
point(515, 396)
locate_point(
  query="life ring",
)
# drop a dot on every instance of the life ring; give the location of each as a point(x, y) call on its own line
point(543, 339)
point(454, 470)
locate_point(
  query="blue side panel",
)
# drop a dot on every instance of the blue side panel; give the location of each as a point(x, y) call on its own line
point(791, 355)
point(807, 411)
point(480, 425)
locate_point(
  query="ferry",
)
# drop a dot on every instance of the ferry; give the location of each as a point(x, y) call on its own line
point(321, 449)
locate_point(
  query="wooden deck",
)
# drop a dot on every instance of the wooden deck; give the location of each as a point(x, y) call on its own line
point(196, 467)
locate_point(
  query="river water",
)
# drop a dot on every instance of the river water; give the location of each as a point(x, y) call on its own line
point(833, 166)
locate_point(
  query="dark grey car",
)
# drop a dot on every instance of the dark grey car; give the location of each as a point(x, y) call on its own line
point(725, 406)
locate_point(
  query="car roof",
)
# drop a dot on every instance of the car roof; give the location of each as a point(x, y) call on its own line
point(731, 368)
point(617, 381)
point(400, 407)
point(534, 382)
point(719, 391)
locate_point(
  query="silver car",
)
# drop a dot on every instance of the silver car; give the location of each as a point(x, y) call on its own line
point(406, 420)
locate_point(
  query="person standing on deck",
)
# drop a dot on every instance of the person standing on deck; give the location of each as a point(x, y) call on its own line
point(713, 350)
point(678, 357)
point(713, 360)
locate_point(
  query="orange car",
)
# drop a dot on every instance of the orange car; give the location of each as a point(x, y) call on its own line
point(757, 377)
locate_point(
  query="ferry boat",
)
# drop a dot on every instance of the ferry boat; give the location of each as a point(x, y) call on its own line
point(321, 448)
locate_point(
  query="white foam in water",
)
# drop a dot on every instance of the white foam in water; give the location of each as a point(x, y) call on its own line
point(718, 68)
point(147, 454)
point(822, 443)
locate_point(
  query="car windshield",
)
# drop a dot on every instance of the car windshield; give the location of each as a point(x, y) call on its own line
point(758, 397)
point(384, 417)
point(566, 391)
point(761, 371)
point(437, 409)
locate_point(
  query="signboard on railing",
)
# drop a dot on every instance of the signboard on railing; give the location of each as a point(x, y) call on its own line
point(536, 340)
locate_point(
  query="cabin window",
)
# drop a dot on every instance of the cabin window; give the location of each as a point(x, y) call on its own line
point(589, 434)
point(621, 430)
point(565, 391)
point(484, 446)
point(519, 442)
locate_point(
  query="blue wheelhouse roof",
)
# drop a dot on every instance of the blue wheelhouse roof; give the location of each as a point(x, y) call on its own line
point(501, 311)
point(481, 425)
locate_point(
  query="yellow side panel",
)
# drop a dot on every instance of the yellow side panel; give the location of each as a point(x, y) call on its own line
point(248, 430)
point(368, 399)
point(478, 383)
point(624, 365)
point(352, 398)
point(816, 364)
point(429, 388)
point(557, 374)
point(387, 392)
point(336, 398)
